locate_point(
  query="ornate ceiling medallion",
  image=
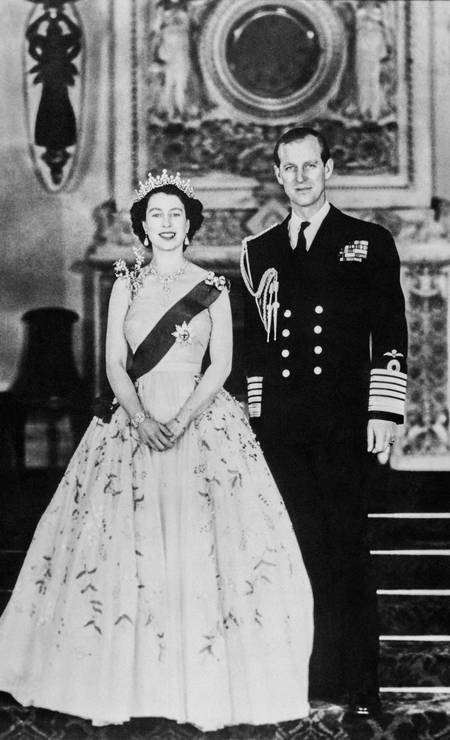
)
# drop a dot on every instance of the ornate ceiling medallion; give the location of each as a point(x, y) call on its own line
point(273, 61)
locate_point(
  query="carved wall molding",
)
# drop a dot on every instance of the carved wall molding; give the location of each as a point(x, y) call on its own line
point(54, 89)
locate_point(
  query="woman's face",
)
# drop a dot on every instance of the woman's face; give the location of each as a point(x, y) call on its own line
point(166, 223)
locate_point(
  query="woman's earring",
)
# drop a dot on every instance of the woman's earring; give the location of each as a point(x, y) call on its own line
point(146, 241)
point(186, 241)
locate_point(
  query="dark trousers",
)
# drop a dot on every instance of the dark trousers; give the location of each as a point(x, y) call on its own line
point(324, 488)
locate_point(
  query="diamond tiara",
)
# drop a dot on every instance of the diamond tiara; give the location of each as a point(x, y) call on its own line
point(151, 183)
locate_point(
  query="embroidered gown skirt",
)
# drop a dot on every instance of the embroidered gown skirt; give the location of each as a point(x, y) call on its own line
point(163, 584)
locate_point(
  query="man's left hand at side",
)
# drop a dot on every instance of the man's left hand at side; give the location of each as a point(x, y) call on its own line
point(381, 434)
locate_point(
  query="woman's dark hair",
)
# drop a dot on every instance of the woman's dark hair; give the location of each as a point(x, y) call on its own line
point(298, 134)
point(192, 206)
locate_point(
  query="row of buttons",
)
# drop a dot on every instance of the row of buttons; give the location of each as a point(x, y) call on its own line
point(288, 313)
point(287, 333)
point(286, 373)
point(317, 349)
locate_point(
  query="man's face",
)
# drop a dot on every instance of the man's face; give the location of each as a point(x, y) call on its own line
point(303, 174)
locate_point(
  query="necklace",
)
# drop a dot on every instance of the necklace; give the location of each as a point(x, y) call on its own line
point(168, 278)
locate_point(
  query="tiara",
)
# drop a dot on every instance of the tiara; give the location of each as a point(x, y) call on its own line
point(164, 179)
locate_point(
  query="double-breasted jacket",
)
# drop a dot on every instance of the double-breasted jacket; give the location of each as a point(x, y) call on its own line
point(325, 329)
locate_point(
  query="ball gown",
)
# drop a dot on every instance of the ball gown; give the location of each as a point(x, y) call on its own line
point(164, 584)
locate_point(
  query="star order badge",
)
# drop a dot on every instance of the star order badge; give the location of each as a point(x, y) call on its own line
point(182, 334)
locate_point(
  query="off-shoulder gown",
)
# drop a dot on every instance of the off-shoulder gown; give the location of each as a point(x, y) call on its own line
point(164, 584)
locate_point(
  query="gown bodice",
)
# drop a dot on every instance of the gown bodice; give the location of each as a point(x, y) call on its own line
point(191, 336)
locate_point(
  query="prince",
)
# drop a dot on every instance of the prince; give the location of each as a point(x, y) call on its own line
point(326, 345)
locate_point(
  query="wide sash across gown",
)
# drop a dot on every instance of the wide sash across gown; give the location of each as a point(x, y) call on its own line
point(160, 338)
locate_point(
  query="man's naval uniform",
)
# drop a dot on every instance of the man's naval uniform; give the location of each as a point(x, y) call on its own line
point(326, 345)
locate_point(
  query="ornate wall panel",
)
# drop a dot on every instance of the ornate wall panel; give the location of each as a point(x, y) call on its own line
point(266, 61)
point(224, 79)
point(428, 290)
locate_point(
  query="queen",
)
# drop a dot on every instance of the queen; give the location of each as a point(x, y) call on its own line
point(164, 579)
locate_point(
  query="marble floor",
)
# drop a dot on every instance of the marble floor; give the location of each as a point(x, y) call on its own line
point(406, 718)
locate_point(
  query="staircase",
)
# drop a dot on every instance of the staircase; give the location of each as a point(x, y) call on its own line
point(409, 529)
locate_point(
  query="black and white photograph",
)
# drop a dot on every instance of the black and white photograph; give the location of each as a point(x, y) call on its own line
point(224, 370)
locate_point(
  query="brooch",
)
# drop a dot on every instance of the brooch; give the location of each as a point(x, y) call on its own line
point(136, 275)
point(219, 282)
point(354, 252)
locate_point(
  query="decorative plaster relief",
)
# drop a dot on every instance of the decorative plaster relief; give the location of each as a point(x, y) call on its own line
point(270, 60)
point(427, 429)
point(221, 86)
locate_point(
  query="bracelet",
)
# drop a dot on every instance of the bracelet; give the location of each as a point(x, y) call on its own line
point(176, 420)
point(137, 419)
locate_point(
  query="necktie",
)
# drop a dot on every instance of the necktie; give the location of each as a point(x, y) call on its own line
point(301, 241)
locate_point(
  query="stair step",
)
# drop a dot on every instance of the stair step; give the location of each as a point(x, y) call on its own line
point(414, 663)
point(411, 571)
point(413, 531)
point(408, 491)
point(413, 614)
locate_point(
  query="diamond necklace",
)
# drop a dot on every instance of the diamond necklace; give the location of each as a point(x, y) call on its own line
point(170, 278)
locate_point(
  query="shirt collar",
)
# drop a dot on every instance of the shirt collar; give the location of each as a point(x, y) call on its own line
point(311, 230)
point(314, 222)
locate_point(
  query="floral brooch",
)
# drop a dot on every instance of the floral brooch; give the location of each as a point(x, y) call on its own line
point(136, 275)
point(219, 282)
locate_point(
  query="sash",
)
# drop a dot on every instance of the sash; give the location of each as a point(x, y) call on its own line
point(159, 340)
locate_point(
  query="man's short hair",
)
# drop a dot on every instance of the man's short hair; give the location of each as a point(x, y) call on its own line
point(297, 134)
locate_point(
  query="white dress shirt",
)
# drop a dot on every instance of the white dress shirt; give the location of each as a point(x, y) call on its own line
point(311, 230)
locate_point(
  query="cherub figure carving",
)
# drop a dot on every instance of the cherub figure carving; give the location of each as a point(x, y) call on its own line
point(372, 47)
point(176, 83)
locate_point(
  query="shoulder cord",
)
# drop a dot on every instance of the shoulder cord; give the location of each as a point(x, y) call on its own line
point(266, 295)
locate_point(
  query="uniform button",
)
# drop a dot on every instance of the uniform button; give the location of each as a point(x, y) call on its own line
point(288, 313)
point(317, 370)
point(318, 309)
point(318, 349)
point(286, 333)
point(318, 329)
point(285, 353)
point(286, 373)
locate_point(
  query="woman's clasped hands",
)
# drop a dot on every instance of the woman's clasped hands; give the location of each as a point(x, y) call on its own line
point(159, 436)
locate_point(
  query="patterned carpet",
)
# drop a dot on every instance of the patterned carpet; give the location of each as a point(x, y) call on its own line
point(408, 719)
